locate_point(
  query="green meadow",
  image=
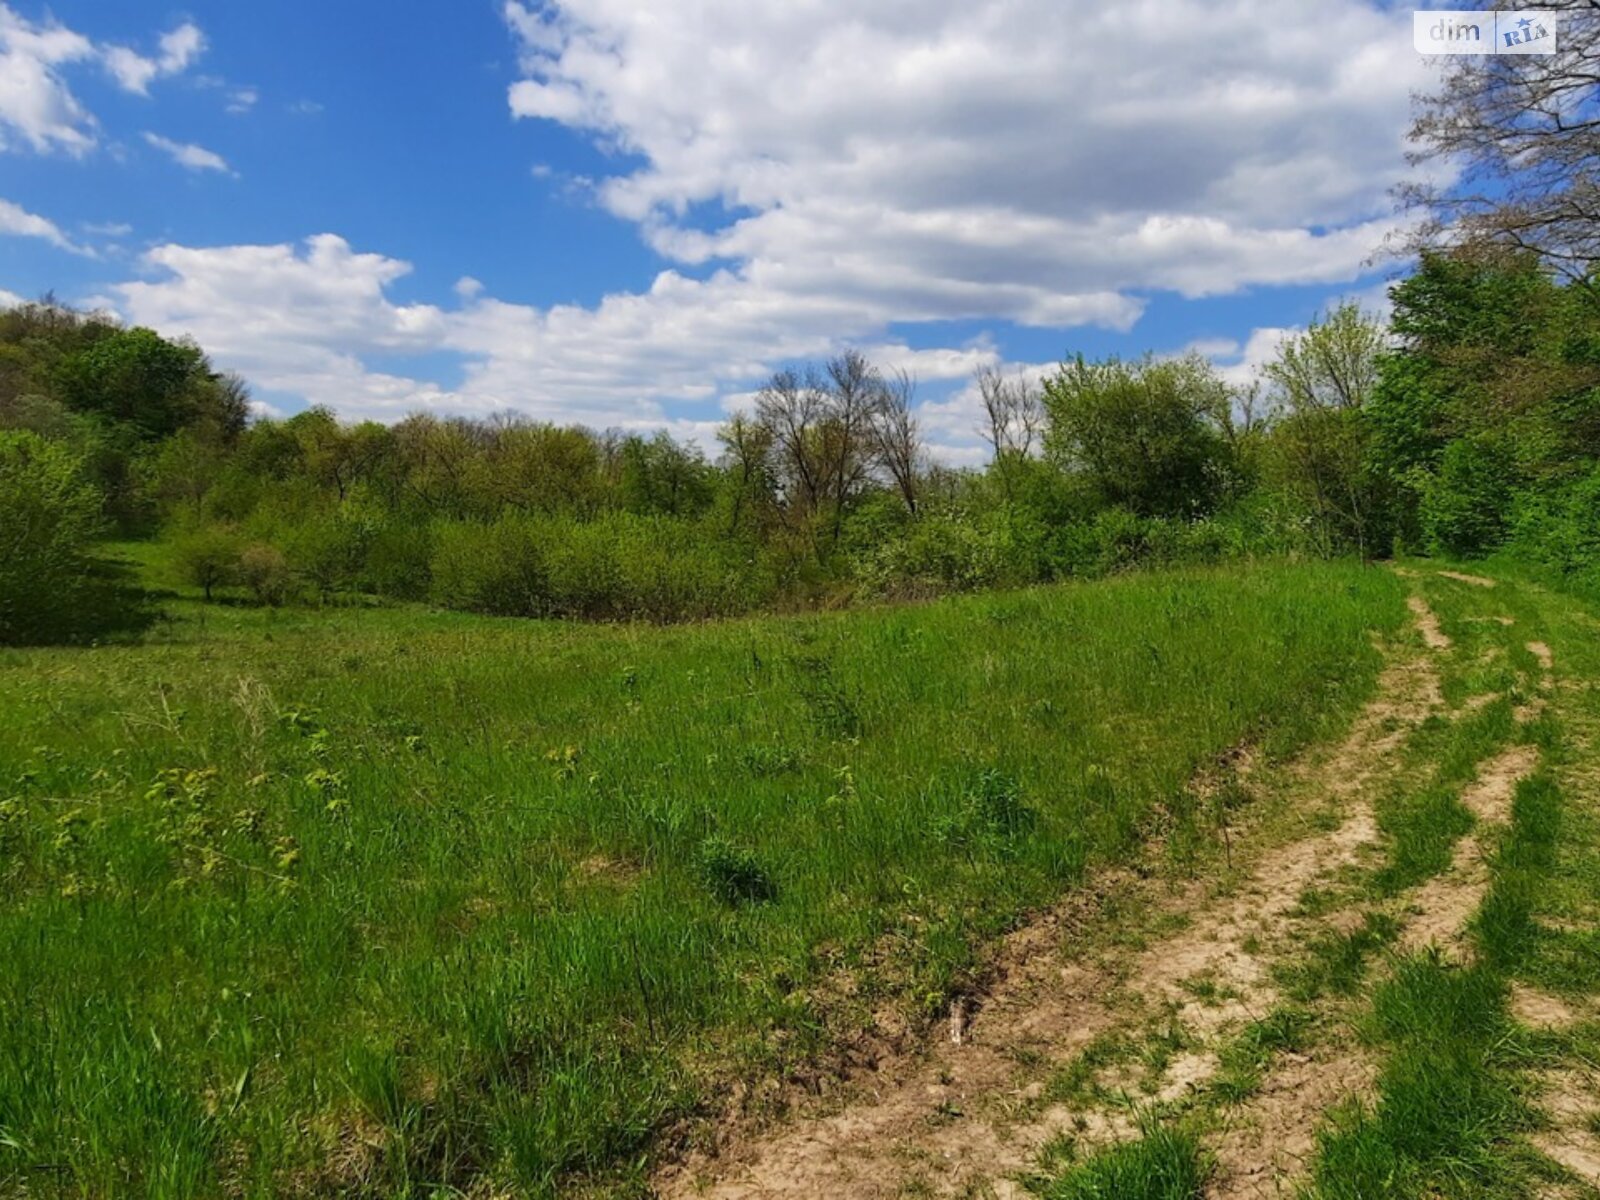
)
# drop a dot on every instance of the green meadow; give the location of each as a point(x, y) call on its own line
point(391, 901)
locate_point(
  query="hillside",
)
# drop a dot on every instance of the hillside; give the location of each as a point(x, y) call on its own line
point(378, 900)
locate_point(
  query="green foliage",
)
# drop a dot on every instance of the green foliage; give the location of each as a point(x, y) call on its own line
point(1165, 1164)
point(206, 557)
point(264, 571)
point(1147, 435)
point(1466, 504)
point(49, 517)
point(135, 377)
point(612, 568)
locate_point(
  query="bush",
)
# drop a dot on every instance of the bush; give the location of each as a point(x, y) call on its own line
point(264, 570)
point(1560, 530)
point(49, 517)
point(935, 554)
point(207, 557)
point(616, 567)
point(1466, 505)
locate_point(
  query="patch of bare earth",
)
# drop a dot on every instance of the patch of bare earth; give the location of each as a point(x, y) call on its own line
point(1540, 1010)
point(1266, 1144)
point(1461, 577)
point(972, 1112)
point(1433, 636)
point(1571, 1100)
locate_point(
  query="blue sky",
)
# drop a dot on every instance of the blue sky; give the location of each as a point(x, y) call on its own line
point(626, 215)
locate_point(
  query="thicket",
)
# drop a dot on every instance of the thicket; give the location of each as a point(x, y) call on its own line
point(1468, 426)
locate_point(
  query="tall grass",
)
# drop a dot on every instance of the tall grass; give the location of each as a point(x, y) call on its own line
point(381, 902)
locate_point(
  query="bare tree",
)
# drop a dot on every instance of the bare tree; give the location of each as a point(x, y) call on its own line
point(747, 445)
point(853, 393)
point(1014, 418)
point(897, 439)
point(793, 409)
point(1525, 132)
point(830, 434)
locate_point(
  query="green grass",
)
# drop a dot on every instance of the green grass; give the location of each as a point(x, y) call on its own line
point(1447, 1106)
point(1336, 962)
point(1166, 1163)
point(1242, 1061)
point(390, 901)
point(1449, 1112)
point(1422, 821)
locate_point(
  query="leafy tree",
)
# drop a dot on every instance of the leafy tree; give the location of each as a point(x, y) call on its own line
point(137, 378)
point(1320, 385)
point(659, 476)
point(49, 516)
point(1466, 507)
point(207, 557)
point(1146, 435)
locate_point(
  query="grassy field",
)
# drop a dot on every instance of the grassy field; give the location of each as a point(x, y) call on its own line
point(394, 901)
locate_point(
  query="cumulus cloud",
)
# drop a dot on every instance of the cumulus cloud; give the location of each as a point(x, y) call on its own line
point(37, 107)
point(135, 72)
point(188, 155)
point(824, 173)
point(1032, 160)
point(19, 222)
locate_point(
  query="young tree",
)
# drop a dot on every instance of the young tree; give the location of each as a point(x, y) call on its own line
point(747, 445)
point(896, 437)
point(49, 516)
point(1014, 419)
point(1319, 386)
point(207, 557)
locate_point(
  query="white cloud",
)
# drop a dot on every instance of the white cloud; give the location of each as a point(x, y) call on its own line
point(9, 299)
point(37, 107)
point(135, 72)
point(1239, 364)
point(242, 100)
point(188, 155)
point(1032, 160)
point(828, 173)
point(19, 222)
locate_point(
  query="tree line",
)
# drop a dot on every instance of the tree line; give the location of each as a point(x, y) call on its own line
point(1468, 424)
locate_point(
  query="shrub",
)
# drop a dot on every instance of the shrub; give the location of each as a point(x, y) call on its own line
point(1466, 505)
point(1560, 530)
point(49, 516)
point(264, 570)
point(935, 554)
point(617, 567)
point(326, 551)
point(733, 874)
